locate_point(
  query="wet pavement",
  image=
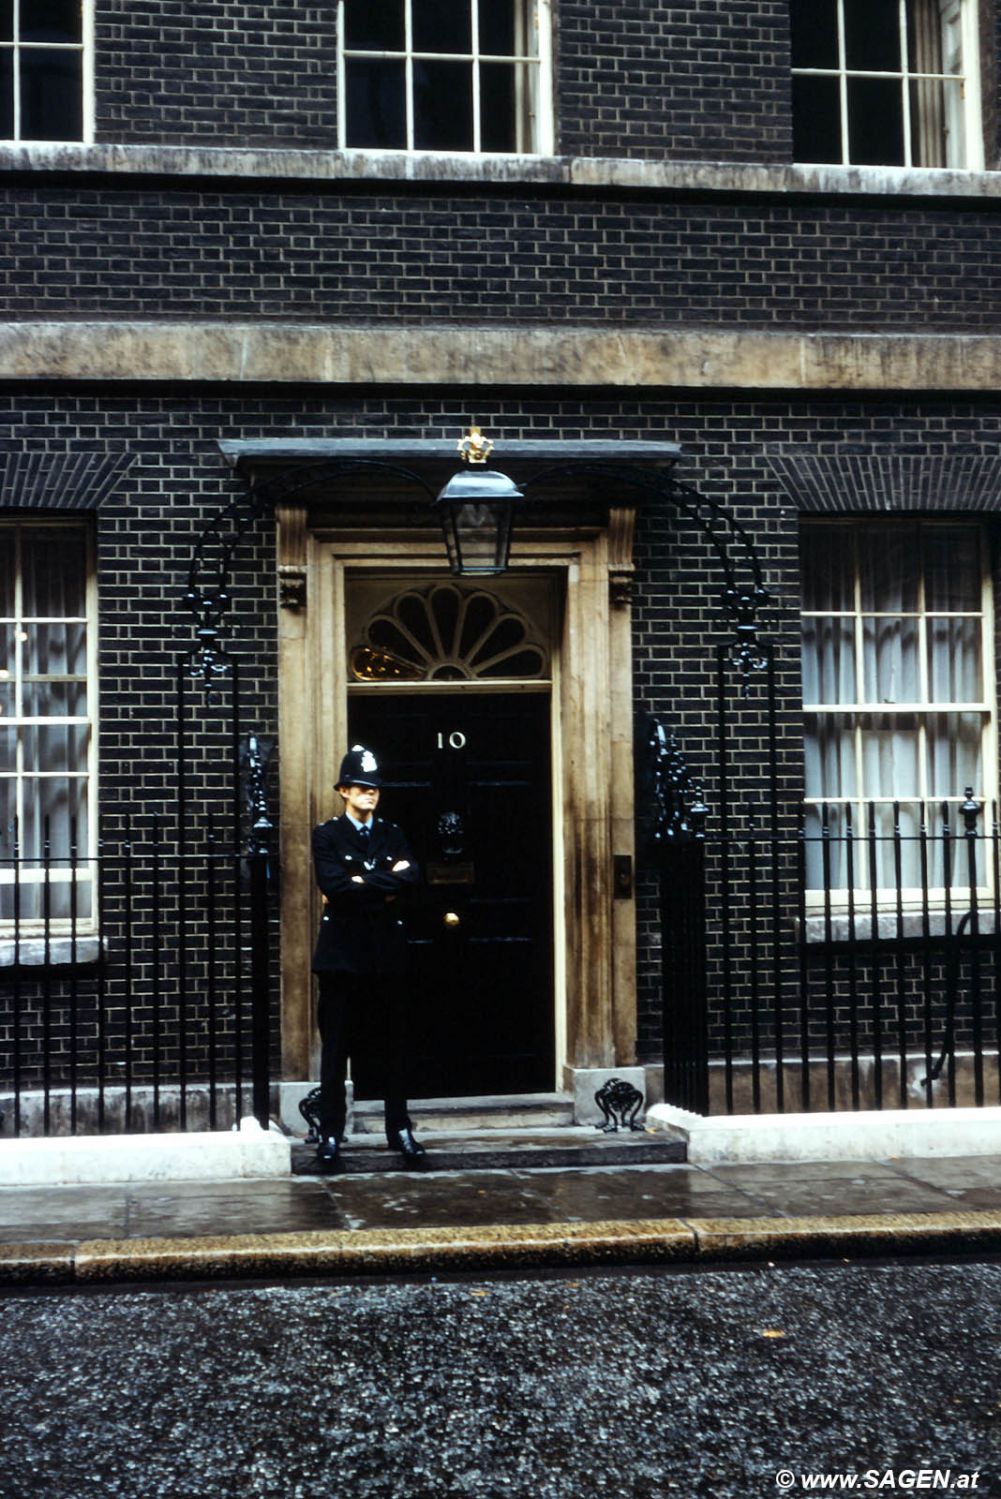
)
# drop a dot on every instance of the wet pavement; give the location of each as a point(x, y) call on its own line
point(639, 1385)
point(550, 1195)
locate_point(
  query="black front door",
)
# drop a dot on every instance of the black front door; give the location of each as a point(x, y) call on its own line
point(468, 777)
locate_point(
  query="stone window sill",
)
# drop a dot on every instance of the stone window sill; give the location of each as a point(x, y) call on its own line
point(496, 171)
point(911, 926)
point(59, 952)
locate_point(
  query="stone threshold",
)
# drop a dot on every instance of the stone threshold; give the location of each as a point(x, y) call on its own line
point(495, 1247)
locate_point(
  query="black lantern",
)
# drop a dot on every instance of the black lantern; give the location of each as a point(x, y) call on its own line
point(476, 508)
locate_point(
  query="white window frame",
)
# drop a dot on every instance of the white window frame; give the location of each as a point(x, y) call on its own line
point(85, 47)
point(32, 871)
point(536, 15)
point(859, 802)
point(962, 12)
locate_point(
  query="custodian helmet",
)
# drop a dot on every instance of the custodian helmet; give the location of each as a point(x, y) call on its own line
point(359, 768)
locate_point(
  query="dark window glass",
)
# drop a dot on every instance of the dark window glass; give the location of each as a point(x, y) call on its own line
point(816, 118)
point(375, 103)
point(814, 33)
point(497, 107)
point(443, 106)
point(442, 26)
point(51, 21)
point(6, 20)
point(51, 96)
point(374, 25)
point(6, 95)
point(875, 122)
point(872, 35)
point(497, 27)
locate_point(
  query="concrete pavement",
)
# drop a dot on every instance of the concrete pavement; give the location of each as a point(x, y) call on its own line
point(502, 1208)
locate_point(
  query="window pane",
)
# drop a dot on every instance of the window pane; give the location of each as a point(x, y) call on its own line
point(53, 562)
point(51, 21)
point(814, 33)
point(816, 119)
point(875, 122)
point(888, 565)
point(830, 757)
point(56, 807)
point(55, 650)
point(497, 124)
point(57, 747)
point(829, 661)
point(889, 847)
point(955, 759)
point(890, 756)
point(872, 35)
point(954, 672)
point(826, 838)
point(7, 94)
point(374, 27)
point(443, 106)
point(51, 95)
point(497, 27)
point(442, 26)
point(6, 20)
point(890, 661)
point(828, 568)
point(55, 699)
point(952, 569)
point(375, 104)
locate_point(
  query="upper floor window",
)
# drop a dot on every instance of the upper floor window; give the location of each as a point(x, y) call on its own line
point(445, 75)
point(44, 57)
point(898, 689)
point(886, 83)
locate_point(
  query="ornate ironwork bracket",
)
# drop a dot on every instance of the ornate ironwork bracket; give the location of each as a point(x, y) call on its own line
point(620, 1103)
point(257, 752)
point(679, 809)
point(309, 1108)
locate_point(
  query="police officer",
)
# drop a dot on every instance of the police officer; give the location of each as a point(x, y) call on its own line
point(363, 867)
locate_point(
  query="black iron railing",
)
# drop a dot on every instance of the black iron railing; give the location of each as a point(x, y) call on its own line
point(135, 985)
point(836, 967)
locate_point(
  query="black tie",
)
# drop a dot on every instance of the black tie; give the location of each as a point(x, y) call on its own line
point(364, 832)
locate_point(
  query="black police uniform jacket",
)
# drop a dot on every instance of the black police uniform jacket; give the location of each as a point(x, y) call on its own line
point(362, 926)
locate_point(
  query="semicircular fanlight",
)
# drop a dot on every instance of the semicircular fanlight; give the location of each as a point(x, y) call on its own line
point(446, 634)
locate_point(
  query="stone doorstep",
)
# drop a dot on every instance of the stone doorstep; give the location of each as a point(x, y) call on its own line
point(527, 1149)
point(92, 1160)
point(892, 1134)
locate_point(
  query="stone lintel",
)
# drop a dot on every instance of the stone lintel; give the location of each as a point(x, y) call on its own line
point(442, 355)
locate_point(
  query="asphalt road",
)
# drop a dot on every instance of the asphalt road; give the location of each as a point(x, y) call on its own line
point(646, 1385)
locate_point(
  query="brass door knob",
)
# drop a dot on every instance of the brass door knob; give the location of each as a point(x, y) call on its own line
point(451, 918)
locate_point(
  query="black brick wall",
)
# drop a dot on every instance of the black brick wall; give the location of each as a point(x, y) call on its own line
point(707, 82)
point(146, 531)
point(770, 264)
point(216, 72)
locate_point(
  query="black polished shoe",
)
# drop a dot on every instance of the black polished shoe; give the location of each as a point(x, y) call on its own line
point(328, 1155)
point(414, 1155)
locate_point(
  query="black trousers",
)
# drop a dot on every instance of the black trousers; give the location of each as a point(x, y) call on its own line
point(363, 1016)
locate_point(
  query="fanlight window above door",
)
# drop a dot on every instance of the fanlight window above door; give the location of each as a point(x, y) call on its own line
point(446, 633)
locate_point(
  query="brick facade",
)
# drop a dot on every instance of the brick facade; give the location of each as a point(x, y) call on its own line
point(706, 83)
